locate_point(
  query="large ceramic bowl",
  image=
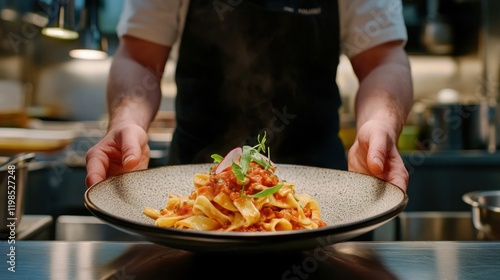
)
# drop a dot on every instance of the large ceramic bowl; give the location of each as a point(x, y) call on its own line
point(351, 204)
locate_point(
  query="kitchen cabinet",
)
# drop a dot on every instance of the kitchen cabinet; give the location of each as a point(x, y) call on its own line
point(439, 179)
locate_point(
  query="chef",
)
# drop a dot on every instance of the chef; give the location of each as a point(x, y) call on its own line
point(255, 67)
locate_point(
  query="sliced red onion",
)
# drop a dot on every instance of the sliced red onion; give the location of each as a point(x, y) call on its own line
point(228, 160)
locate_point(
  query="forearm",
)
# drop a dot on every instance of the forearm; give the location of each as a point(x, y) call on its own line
point(386, 93)
point(134, 84)
point(133, 96)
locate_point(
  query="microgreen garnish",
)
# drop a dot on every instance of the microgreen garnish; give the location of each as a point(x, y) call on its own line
point(255, 153)
point(238, 172)
point(246, 157)
point(267, 192)
point(217, 158)
point(261, 147)
point(248, 154)
point(261, 160)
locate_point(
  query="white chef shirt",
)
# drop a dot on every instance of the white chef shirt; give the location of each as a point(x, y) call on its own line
point(363, 23)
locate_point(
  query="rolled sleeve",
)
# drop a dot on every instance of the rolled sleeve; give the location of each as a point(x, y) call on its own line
point(368, 23)
point(157, 21)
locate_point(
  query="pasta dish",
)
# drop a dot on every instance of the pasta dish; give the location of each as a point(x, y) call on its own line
point(240, 193)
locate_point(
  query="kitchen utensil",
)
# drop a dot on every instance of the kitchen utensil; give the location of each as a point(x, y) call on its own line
point(458, 126)
point(351, 204)
point(13, 177)
point(446, 127)
point(485, 213)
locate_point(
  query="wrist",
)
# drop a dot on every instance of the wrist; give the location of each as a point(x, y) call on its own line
point(125, 116)
point(389, 121)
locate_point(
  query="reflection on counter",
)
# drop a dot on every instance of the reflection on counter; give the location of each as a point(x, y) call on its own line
point(89, 228)
point(347, 260)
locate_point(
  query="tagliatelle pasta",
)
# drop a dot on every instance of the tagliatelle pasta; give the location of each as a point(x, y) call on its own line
point(244, 196)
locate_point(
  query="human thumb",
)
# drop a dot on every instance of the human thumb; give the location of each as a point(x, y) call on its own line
point(131, 150)
point(377, 152)
point(376, 164)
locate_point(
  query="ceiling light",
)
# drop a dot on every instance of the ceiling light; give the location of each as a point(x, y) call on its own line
point(91, 43)
point(64, 27)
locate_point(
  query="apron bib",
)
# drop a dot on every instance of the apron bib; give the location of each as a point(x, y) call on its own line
point(247, 67)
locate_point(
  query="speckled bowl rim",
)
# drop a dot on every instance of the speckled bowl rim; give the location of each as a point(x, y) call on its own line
point(172, 235)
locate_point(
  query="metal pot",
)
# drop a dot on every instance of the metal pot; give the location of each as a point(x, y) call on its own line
point(13, 177)
point(485, 213)
point(458, 126)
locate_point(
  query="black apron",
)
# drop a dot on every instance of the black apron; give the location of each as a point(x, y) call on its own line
point(246, 67)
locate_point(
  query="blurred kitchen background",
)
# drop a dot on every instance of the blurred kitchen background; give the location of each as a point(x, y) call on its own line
point(53, 104)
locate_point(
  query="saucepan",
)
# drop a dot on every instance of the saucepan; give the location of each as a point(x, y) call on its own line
point(13, 178)
point(457, 126)
point(485, 213)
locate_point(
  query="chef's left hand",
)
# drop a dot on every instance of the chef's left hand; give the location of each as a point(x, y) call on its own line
point(374, 152)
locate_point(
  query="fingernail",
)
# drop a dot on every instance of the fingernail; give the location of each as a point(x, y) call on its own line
point(127, 159)
point(378, 162)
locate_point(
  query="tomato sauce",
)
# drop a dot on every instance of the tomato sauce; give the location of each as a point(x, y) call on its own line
point(227, 182)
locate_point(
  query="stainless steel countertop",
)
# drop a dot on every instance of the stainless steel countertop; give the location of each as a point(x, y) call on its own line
point(349, 260)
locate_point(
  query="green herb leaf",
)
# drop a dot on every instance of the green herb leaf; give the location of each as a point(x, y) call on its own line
point(267, 192)
point(261, 147)
point(236, 168)
point(258, 158)
point(246, 157)
point(217, 158)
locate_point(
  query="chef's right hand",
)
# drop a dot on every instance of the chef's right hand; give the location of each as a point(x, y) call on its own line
point(123, 149)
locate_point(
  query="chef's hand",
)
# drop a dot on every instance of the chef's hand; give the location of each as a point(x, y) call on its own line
point(124, 148)
point(375, 152)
